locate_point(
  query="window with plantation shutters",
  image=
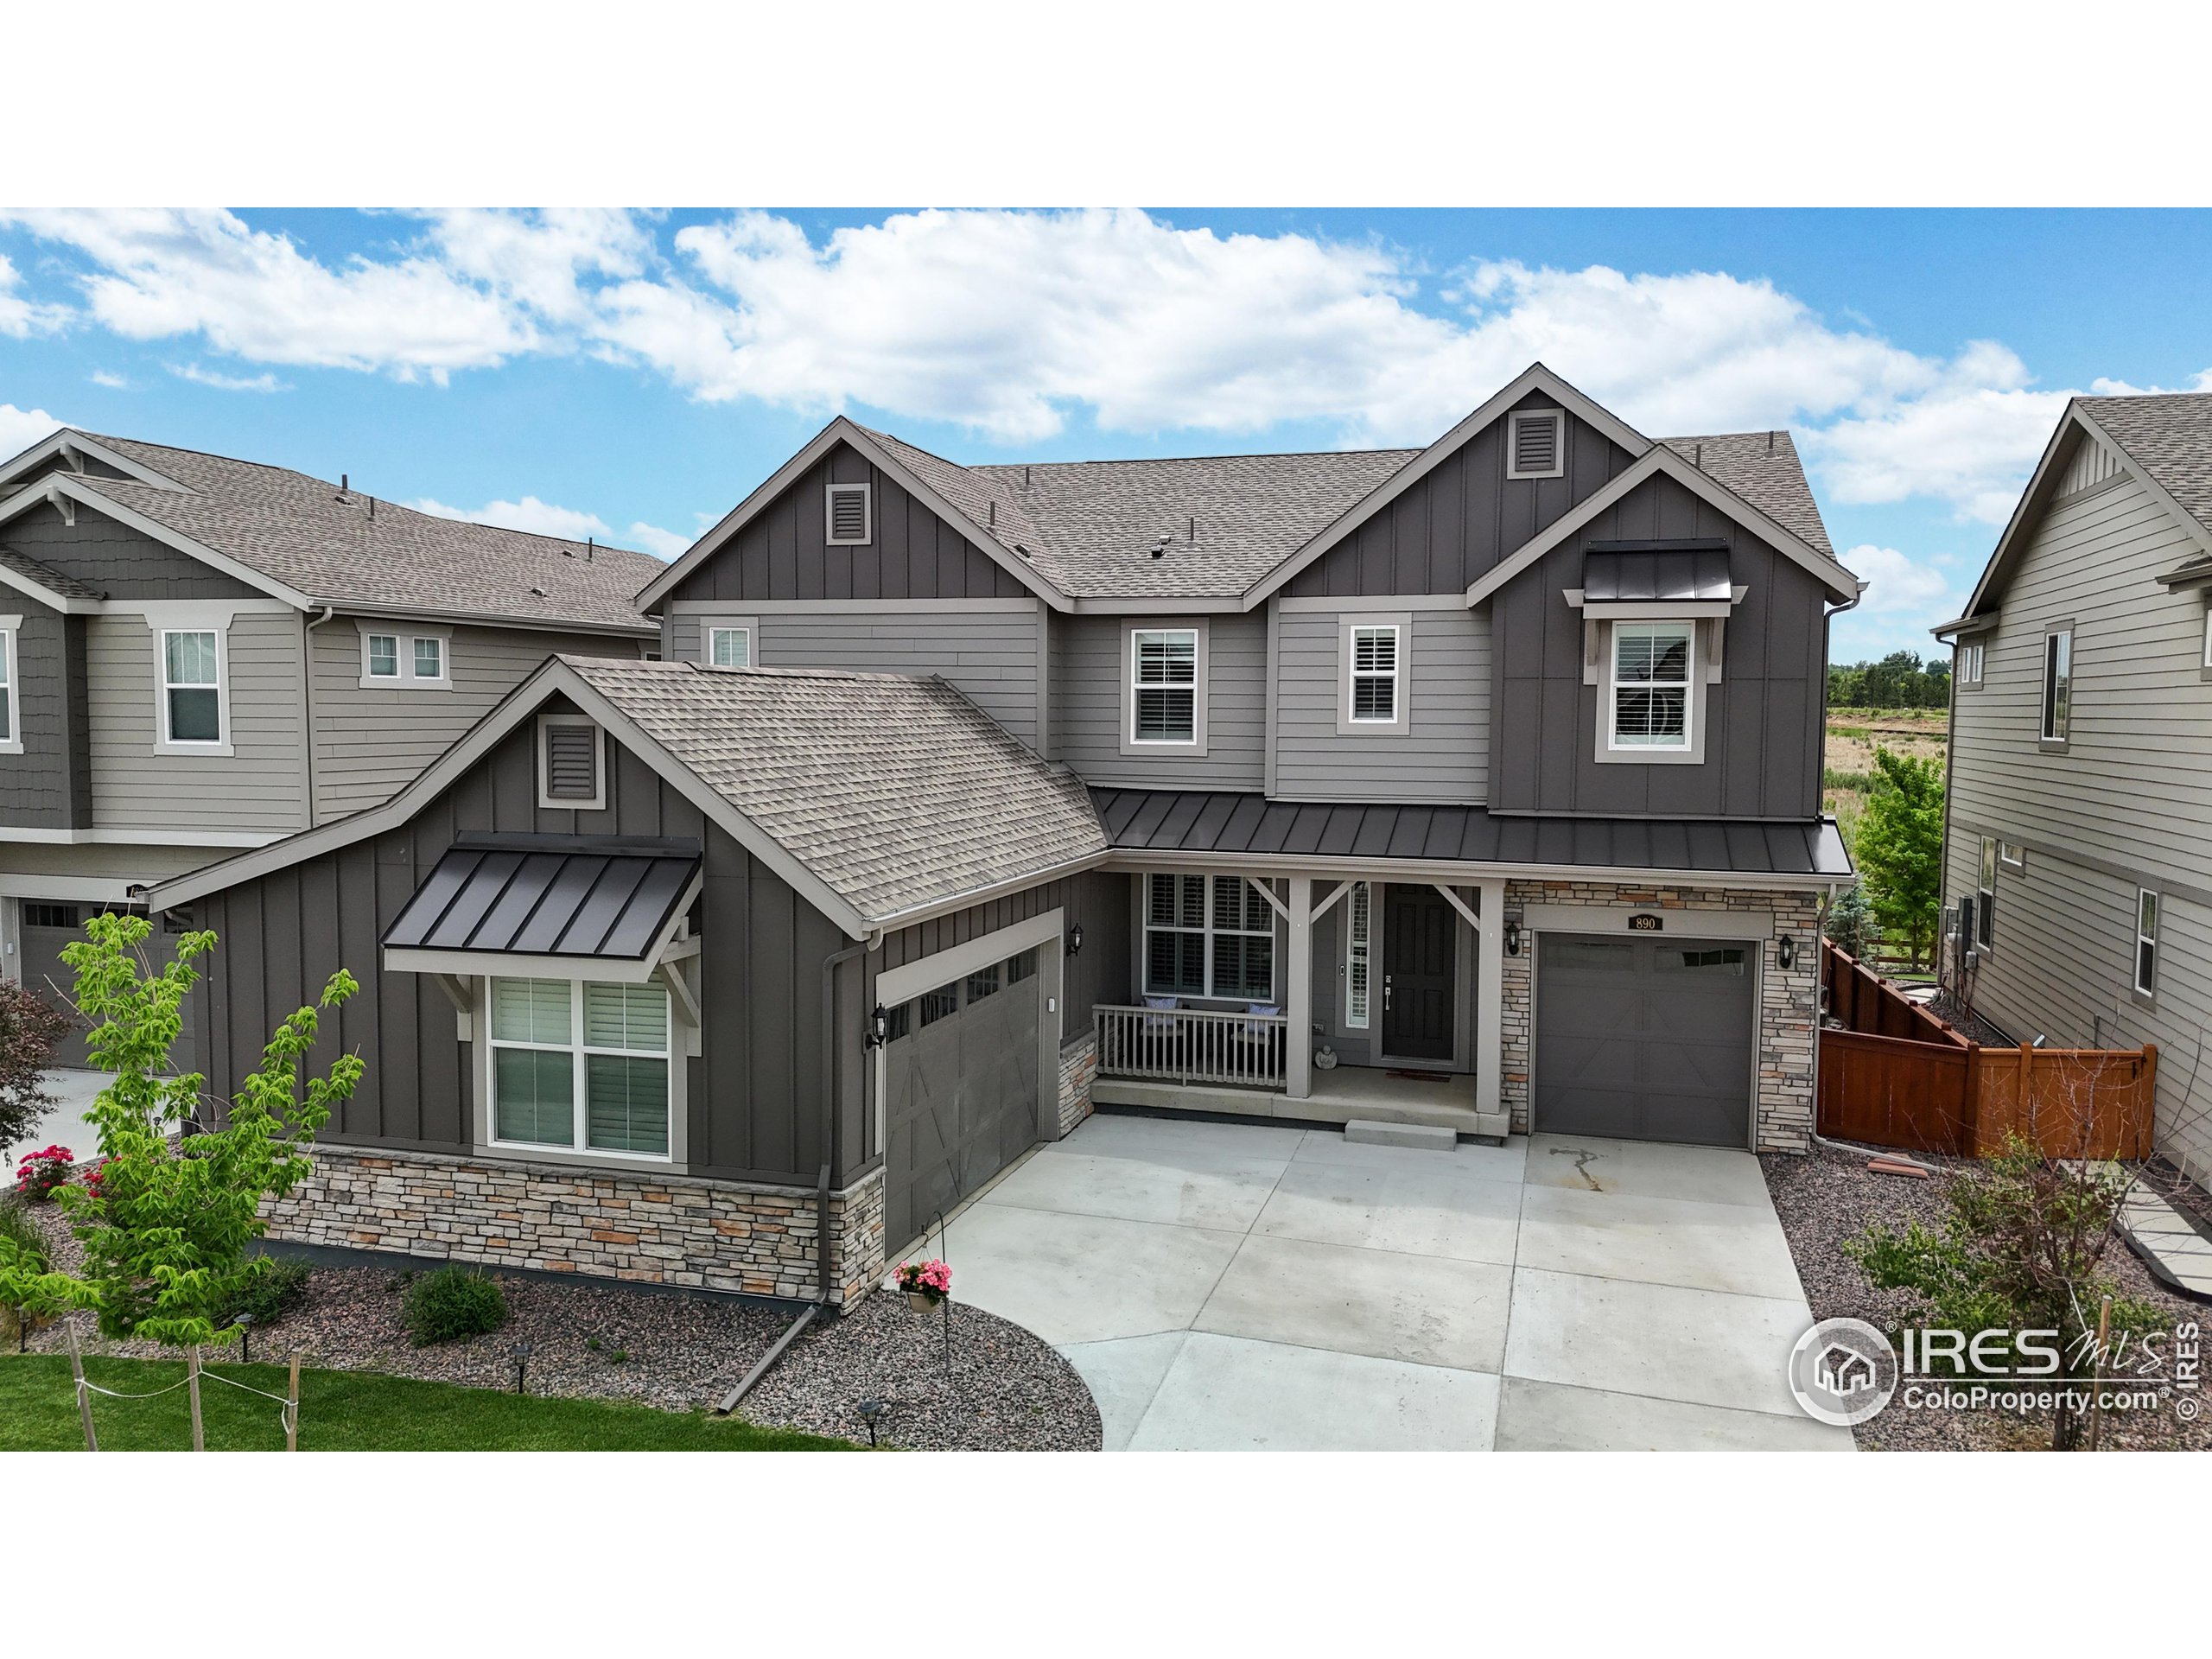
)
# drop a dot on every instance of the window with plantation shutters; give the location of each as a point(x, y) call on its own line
point(1375, 675)
point(1358, 954)
point(568, 773)
point(1651, 685)
point(1163, 685)
point(1208, 936)
point(581, 1066)
point(1535, 444)
point(849, 515)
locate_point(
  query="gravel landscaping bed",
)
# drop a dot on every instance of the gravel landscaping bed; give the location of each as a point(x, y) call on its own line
point(1008, 1391)
point(1829, 1196)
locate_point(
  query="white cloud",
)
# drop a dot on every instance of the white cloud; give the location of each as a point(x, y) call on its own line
point(205, 377)
point(547, 518)
point(113, 381)
point(1896, 584)
point(21, 428)
point(20, 318)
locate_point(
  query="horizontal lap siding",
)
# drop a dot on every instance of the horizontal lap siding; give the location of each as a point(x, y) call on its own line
point(137, 786)
point(1086, 705)
point(1443, 758)
point(989, 657)
point(2132, 793)
point(370, 741)
point(784, 553)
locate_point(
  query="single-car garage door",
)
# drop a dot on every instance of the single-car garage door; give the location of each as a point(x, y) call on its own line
point(46, 927)
point(960, 1076)
point(1644, 1040)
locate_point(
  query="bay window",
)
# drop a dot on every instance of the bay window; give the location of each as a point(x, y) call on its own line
point(578, 1065)
point(1208, 936)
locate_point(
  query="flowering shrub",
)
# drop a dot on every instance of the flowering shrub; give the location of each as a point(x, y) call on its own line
point(932, 1279)
point(41, 1174)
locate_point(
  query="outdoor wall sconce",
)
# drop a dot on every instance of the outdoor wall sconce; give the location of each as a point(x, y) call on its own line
point(1075, 938)
point(879, 1027)
point(1512, 937)
point(1785, 954)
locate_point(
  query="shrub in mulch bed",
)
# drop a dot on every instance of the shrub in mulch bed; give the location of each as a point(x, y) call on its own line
point(451, 1304)
point(1828, 1197)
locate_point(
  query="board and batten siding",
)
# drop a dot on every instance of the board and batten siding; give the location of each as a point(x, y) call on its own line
point(1443, 755)
point(1086, 705)
point(2126, 803)
point(784, 553)
point(257, 788)
point(1465, 516)
point(371, 742)
point(989, 655)
point(1762, 740)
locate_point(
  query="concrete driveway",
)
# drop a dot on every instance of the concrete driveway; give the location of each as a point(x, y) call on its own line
point(1231, 1286)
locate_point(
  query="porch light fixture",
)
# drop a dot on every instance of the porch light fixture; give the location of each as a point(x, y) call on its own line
point(1075, 938)
point(879, 1027)
point(1785, 954)
point(1512, 937)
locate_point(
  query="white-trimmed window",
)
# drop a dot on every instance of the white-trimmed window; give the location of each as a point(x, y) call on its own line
point(571, 763)
point(1163, 685)
point(1970, 661)
point(1535, 443)
point(1985, 910)
point(1650, 704)
point(1359, 967)
point(394, 658)
point(2012, 855)
point(11, 737)
point(1374, 695)
point(578, 1065)
point(1208, 936)
point(729, 647)
point(849, 515)
point(2208, 637)
point(192, 688)
point(2147, 942)
point(2058, 684)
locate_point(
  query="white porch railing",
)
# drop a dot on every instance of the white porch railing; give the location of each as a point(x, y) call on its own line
point(1192, 1046)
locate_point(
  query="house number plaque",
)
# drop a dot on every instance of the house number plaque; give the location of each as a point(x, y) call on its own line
point(1647, 924)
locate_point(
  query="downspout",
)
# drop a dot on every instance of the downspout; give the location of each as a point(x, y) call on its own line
point(1960, 993)
point(307, 699)
point(825, 1292)
point(1821, 925)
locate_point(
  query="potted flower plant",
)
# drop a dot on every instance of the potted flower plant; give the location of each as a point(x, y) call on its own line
point(926, 1283)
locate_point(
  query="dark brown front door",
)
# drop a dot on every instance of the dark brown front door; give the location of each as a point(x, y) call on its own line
point(1419, 958)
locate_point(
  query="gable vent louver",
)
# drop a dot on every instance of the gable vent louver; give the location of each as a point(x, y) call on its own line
point(1537, 446)
point(571, 762)
point(849, 515)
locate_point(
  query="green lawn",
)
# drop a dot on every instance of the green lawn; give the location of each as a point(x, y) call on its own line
point(347, 1411)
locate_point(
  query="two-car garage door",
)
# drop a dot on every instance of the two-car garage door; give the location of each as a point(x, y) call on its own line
point(961, 1090)
point(1645, 1039)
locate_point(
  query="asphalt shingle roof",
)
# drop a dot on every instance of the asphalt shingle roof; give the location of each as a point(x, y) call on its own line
point(47, 577)
point(1764, 469)
point(298, 531)
point(2168, 436)
point(894, 791)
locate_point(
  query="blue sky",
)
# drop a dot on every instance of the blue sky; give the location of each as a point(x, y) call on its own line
point(632, 376)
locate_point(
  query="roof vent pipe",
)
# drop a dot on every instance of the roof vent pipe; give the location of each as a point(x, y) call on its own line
point(343, 478)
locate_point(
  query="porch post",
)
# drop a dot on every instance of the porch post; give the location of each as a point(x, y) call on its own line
point(1490, 1007)
point(1297, 1005)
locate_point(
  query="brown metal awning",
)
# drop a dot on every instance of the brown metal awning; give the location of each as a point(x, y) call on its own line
point(594, 899)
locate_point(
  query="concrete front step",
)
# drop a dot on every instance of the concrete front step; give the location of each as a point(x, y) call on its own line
point(1368, 1096)
point(1420, 1137)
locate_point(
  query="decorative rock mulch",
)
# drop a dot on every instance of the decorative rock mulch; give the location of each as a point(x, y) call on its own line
point(1829, 1196)
point(1007, 1391)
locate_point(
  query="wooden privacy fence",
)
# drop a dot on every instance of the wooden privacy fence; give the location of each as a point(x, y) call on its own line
point(1899, 1077)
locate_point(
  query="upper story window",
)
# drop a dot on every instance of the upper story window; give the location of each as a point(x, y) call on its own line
point(11, 739)
point(192, 687)
point(2147, 942)
point(1372, 696)
point(1165, 687)
point(1985, 915)
point(2208, 637)
point(1969, 662)
point(729, 647)
point(395, 658)
point(571, 765)
point(1535, 443)
point(850, 515)
point(2058, 684)
point(1651, 702)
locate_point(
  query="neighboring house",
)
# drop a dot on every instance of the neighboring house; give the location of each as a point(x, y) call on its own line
point(2078, 857)
point(1475, 786)
point(199, 655)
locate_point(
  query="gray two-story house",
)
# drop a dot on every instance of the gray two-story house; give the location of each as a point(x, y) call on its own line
point(1475, 786)
point(200, 655)
point(2078, 852)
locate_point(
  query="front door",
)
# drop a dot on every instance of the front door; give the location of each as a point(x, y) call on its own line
point(1420, 941)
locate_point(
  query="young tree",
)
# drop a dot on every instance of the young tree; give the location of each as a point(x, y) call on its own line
point(30, 1026)
point(1851, 923)
point(1900, 849)
point(2022, 1248)
point(167, 1225)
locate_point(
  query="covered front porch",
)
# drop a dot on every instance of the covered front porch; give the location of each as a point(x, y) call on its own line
point(1366, 994)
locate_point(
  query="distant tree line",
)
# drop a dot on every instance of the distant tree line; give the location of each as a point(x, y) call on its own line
point(1900, 680)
